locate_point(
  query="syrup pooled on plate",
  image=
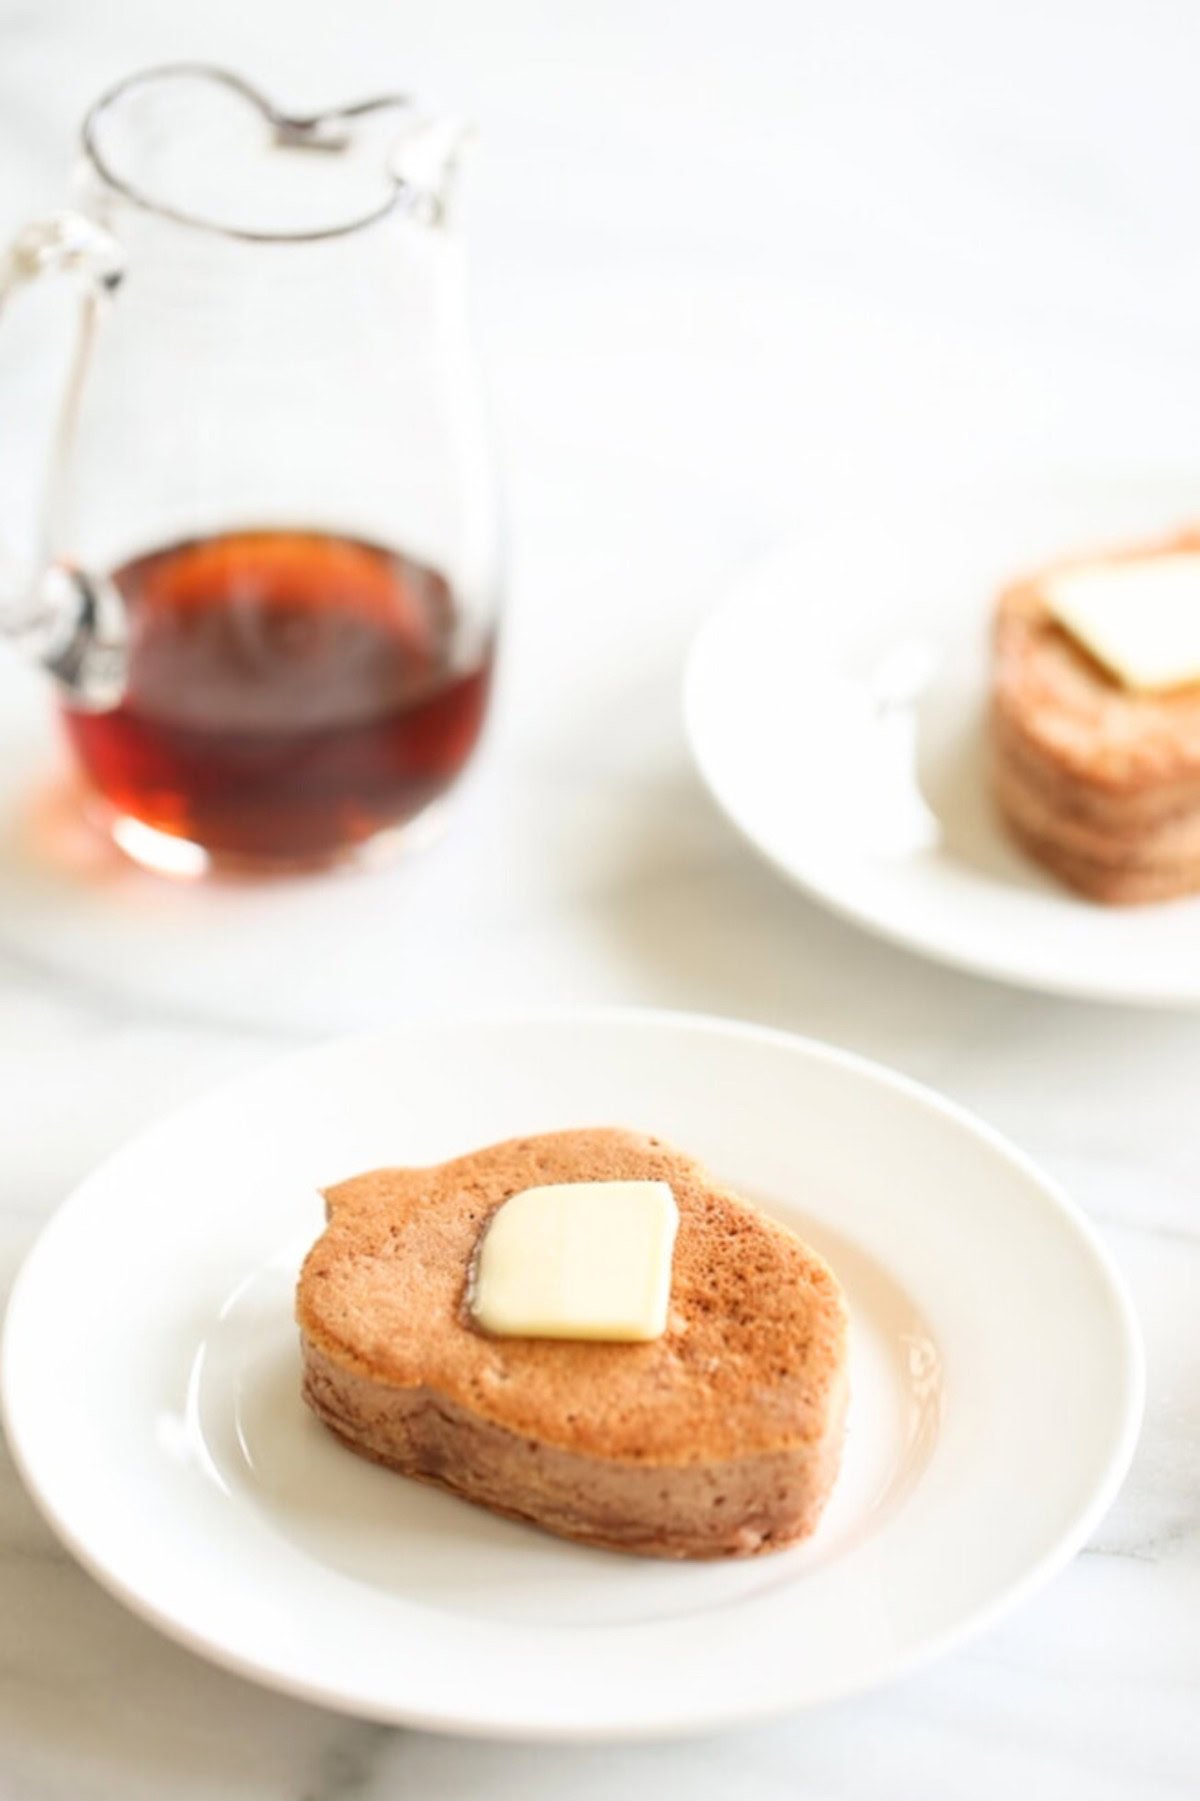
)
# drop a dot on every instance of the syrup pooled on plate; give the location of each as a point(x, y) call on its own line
point(291, 695)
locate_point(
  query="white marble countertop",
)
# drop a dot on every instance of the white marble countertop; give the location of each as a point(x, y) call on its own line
point(730, 259)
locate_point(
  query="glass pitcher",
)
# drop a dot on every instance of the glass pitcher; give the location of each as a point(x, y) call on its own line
point(269, 575)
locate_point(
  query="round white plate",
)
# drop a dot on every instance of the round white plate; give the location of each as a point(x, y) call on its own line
point(835, 704)
point(151, 1389)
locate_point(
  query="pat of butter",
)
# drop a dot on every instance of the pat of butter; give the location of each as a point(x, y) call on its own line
point(578, 1260)
point(1140, 617)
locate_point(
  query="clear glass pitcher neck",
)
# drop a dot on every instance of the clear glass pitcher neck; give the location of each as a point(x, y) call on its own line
point(201, 146)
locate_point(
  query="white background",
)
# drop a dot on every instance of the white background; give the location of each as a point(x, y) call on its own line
point(734, 263)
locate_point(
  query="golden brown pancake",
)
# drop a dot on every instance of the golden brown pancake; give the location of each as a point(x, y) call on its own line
point(721, 1438)
point(1099, 783)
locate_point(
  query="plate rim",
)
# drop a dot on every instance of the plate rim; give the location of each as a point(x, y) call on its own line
point(462, 1722)
point(750, 588)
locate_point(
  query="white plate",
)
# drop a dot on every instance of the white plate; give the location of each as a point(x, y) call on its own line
point(151, 1389)
point(834, 705)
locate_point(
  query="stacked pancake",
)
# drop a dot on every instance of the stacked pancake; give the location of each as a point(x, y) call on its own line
point(1097, 775)
point(721, 1438)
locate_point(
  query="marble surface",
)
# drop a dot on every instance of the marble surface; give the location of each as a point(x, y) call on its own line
point(734, 264)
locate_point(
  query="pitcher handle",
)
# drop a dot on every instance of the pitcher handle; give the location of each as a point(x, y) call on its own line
point(70, 622)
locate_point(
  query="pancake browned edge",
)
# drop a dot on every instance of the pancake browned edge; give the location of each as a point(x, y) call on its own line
point(719, 1439)
point(1100, 784)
